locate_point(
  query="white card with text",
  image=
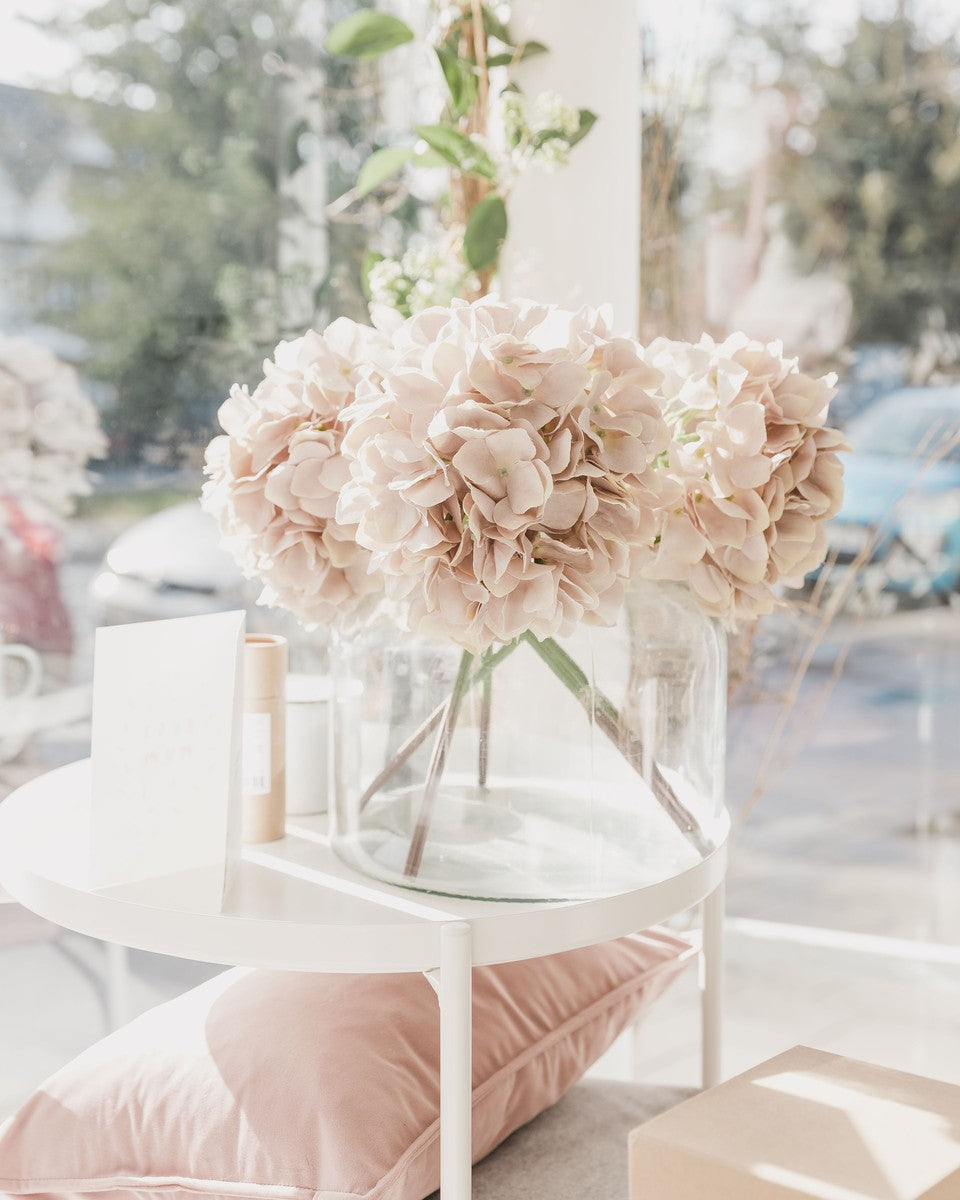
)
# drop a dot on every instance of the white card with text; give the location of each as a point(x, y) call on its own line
point(166, 759)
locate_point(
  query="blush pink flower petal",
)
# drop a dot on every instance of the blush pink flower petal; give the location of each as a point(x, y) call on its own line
point(533, 438)
point(276, 474)
point(756, 469)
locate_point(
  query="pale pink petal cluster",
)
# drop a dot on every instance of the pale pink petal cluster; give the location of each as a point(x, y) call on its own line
point(277, 472)
point(756, 468)
point(49, 430)
point(503, 470)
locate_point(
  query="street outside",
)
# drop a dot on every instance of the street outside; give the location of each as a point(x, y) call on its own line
point(857, 828)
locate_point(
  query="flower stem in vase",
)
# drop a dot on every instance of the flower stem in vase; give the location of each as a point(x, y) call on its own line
point(483, 752)
point(437, 760)
point(604, 713)
point(420, 735)
point(396, 760)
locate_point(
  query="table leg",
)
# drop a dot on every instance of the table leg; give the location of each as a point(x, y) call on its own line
point(117, 984)
point(456, 1067)
point(711, 985)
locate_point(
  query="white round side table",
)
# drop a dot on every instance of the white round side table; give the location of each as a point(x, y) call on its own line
point(293, 905)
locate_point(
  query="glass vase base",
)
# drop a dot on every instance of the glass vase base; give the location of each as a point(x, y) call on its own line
point(534, 840)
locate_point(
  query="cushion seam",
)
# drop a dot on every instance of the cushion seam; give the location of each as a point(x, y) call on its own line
point(187, 1183)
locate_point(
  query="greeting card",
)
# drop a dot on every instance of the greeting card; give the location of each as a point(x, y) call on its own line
point(166, 759)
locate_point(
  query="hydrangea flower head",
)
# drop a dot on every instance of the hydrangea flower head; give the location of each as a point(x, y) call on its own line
point(756, 469)
point(502, 470)
point(277, 472)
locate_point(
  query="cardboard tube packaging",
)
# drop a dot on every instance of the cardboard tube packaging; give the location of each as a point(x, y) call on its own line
point(264, 737)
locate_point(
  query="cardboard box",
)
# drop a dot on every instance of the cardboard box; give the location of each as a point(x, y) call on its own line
point(805, 1125)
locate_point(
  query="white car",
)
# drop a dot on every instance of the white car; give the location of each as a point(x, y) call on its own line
point(172, 565)
point(168, 565)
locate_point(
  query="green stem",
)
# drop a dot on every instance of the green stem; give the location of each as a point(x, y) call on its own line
point(573, 678)
point(483, 748)
point(601, 710)
point(437, 759)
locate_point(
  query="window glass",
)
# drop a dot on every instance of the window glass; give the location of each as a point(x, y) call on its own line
point(165, 174)
point(802, 176)
point(169, 178)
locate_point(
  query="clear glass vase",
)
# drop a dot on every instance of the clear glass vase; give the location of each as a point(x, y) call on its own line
point(552, 770)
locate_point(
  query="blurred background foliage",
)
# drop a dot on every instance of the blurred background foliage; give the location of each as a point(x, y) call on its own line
point(183, 270)
point(860, 166)
point(177, 278)
point(868, 169)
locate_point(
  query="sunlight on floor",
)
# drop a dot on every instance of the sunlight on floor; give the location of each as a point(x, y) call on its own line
point(890, 1011)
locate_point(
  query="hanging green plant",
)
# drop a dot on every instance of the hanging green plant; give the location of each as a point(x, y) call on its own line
point(476, 52)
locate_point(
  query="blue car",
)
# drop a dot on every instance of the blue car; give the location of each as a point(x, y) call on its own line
point(900, 519)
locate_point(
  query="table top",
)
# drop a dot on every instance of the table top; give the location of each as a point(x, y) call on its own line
point(292, 904)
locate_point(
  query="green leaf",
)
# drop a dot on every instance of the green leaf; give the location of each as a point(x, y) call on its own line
point(461, 81)
point(547, 135)
point(529, 50)
point(587, 121)
point(381, 166)
point(452, 41)
point(370, 260)
point(495, 28)
point(486, 229)
point(366, 34)
point(458, 150)
point(428, 158)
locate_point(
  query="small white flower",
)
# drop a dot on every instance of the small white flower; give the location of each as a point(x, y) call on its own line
point(553, 112)
point(553, 153)
point(427, 275)
point(513, 113)
point(387, 283)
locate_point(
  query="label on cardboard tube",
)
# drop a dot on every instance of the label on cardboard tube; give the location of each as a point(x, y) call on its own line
point(257, 767)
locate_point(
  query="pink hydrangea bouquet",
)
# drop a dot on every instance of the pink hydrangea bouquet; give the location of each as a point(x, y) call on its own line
point(496, 472)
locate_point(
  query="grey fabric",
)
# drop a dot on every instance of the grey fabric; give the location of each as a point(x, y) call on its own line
point(576, 1150)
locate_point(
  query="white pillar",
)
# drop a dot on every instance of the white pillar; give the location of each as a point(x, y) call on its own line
point(574, 233)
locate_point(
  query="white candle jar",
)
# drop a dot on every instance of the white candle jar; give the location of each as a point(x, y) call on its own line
point(308, 743)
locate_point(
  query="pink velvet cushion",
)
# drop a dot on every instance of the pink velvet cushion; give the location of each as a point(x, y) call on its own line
point(272, 1084)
